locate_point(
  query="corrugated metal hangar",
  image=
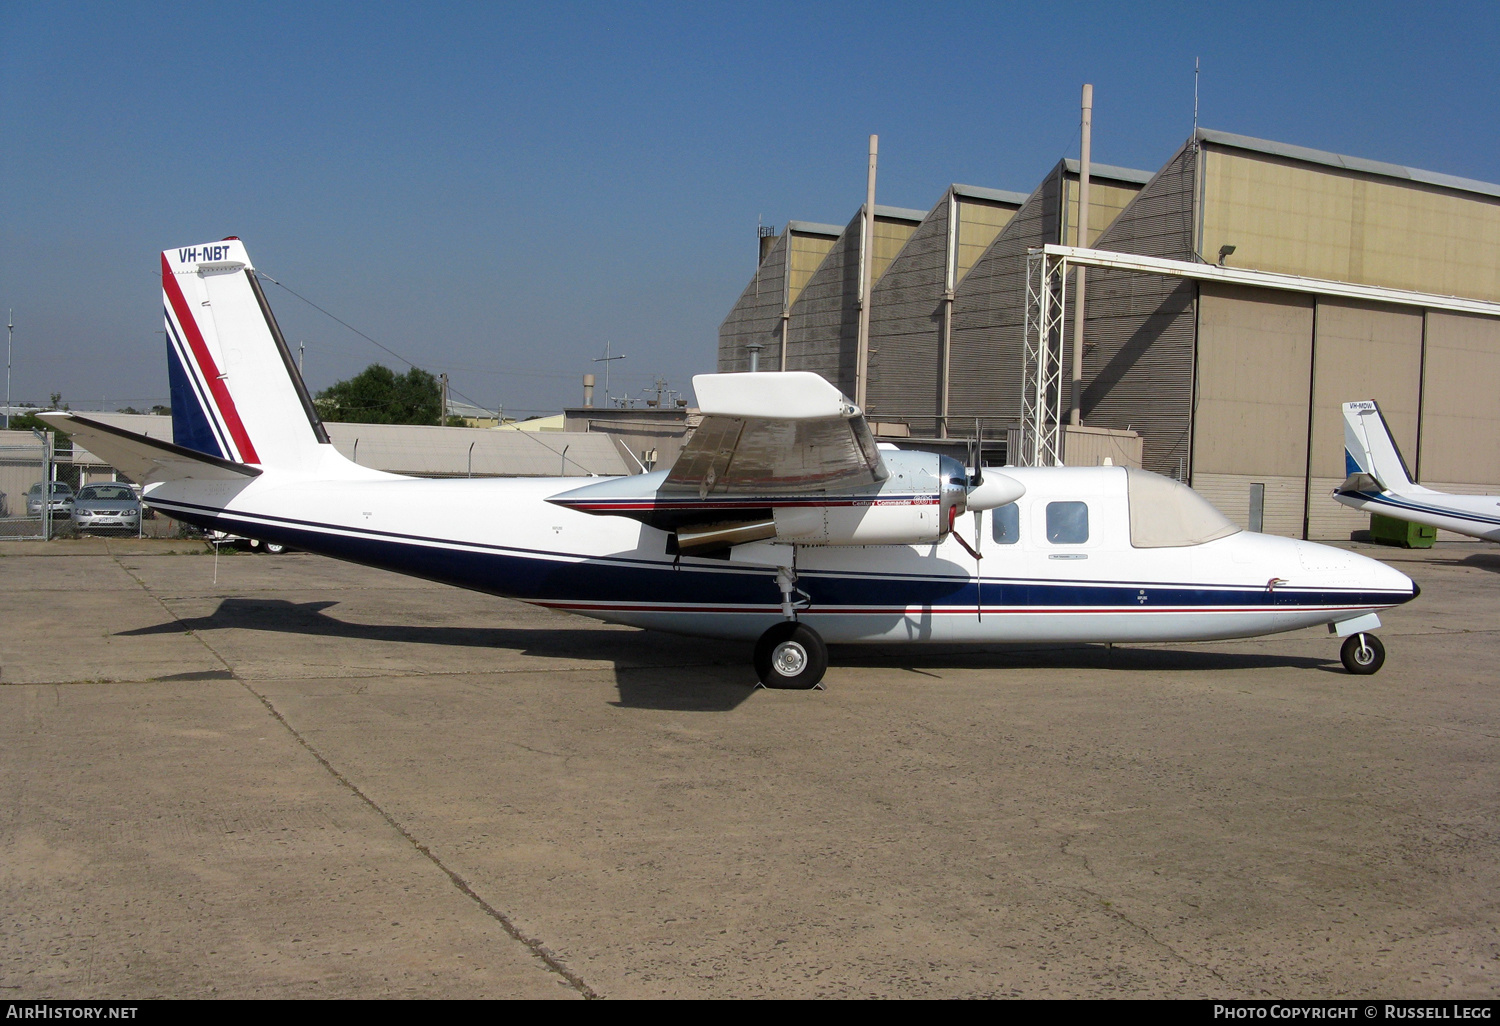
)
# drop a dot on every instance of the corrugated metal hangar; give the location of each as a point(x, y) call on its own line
point(1231, 385)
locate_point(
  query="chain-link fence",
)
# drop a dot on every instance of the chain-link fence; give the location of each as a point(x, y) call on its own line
point(26, 510)
point(50, 490)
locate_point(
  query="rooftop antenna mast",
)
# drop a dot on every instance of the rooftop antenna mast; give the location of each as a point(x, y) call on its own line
point(1195, 97)
point(606, 359)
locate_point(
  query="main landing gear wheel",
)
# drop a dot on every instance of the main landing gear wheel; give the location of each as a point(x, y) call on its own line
point(274, 548)
point(1362, 654)
point(791, 655)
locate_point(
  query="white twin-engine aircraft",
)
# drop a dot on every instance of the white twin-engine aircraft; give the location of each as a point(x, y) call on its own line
point(1378, 482)
point(782, 523)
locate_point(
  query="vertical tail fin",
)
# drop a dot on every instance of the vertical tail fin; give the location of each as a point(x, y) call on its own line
point(236, 392)
point(1370, 449)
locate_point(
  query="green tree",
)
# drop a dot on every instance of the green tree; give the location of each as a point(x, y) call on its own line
point(378, 395)
point(30, 421)
point(62, 444)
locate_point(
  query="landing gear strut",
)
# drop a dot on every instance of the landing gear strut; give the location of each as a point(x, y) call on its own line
point(1362, 653)
point(791, 655)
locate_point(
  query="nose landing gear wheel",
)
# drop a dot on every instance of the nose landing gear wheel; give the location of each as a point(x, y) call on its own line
point(1362, 654)
point(791, 656)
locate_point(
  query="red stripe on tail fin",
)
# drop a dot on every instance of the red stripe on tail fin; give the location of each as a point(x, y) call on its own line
point(210, 371)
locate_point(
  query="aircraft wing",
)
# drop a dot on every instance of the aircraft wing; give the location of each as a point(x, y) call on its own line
point(147, 460)
point(772, 433)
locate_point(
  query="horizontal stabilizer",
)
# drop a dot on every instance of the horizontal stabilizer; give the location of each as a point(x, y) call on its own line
point(1358, 483)
point(147, 460)
point(1369, 447)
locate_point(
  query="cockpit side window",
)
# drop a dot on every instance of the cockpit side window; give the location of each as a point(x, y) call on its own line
point(1168, 514)
point(1067, 523)
point(1006, 524)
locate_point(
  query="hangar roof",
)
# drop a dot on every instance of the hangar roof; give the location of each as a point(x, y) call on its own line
point(898, 213)
point(995, 195)
point(1119, 174)
point(813, 228)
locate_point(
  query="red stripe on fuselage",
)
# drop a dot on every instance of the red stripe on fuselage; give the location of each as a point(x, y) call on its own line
point(206, 365)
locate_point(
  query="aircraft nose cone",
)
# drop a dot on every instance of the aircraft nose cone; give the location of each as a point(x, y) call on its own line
point(997, 490)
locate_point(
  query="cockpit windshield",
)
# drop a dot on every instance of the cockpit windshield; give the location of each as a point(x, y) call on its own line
point(1168, 514)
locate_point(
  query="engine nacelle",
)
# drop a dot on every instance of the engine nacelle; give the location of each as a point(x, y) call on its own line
point(873, 522)
point(915, 505)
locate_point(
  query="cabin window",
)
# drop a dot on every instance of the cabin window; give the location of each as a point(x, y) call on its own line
point(1006, 524)
point(1168, 514)
point(1067, 523)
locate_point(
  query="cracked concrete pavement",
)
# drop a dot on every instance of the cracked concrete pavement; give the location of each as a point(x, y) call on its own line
point(311, 779)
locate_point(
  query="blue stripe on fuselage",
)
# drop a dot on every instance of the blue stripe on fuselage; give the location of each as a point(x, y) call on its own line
point(1409, 506)
point(558, 578)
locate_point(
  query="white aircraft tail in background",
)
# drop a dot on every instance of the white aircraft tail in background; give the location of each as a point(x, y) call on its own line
point(1379, 482)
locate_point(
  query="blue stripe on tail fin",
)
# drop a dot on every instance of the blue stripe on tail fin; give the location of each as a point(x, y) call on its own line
point(190, 427)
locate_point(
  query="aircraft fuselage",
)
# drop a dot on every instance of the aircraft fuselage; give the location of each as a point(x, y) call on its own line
point(502, 536)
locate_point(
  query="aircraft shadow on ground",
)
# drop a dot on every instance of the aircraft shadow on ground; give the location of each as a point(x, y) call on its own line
point(655, 671)
point(1078, 657)
point(661, 671)
point(1474, 561)
point(1479, 561)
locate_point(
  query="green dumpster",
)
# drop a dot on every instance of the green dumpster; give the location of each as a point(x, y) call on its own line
point(1390, 531)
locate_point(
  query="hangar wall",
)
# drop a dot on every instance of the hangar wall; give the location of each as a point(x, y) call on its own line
point(1140, 329)
point(1299, 211)
point(1360, 350)
point(905, 327)
point(1460, 443)
point(910, 316)
point(989, 311)
point(980, 220)
point(1254, 372)
point(822, 321)
point(989, 305)
point(1241, 386)
point(758, 315)
point(1273, 370)
point(1229, 386)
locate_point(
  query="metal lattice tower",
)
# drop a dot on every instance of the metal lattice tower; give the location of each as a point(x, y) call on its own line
point(1042, 370)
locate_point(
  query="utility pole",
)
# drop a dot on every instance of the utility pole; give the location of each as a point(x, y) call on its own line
point(10, 330)
point(301, 352)
point(443, 417)
point(1076, 416)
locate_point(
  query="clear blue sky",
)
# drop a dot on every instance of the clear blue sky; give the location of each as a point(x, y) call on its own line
point(496, 190)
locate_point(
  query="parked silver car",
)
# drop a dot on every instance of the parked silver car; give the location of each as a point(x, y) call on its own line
point(107, 507)
point(61, 503)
